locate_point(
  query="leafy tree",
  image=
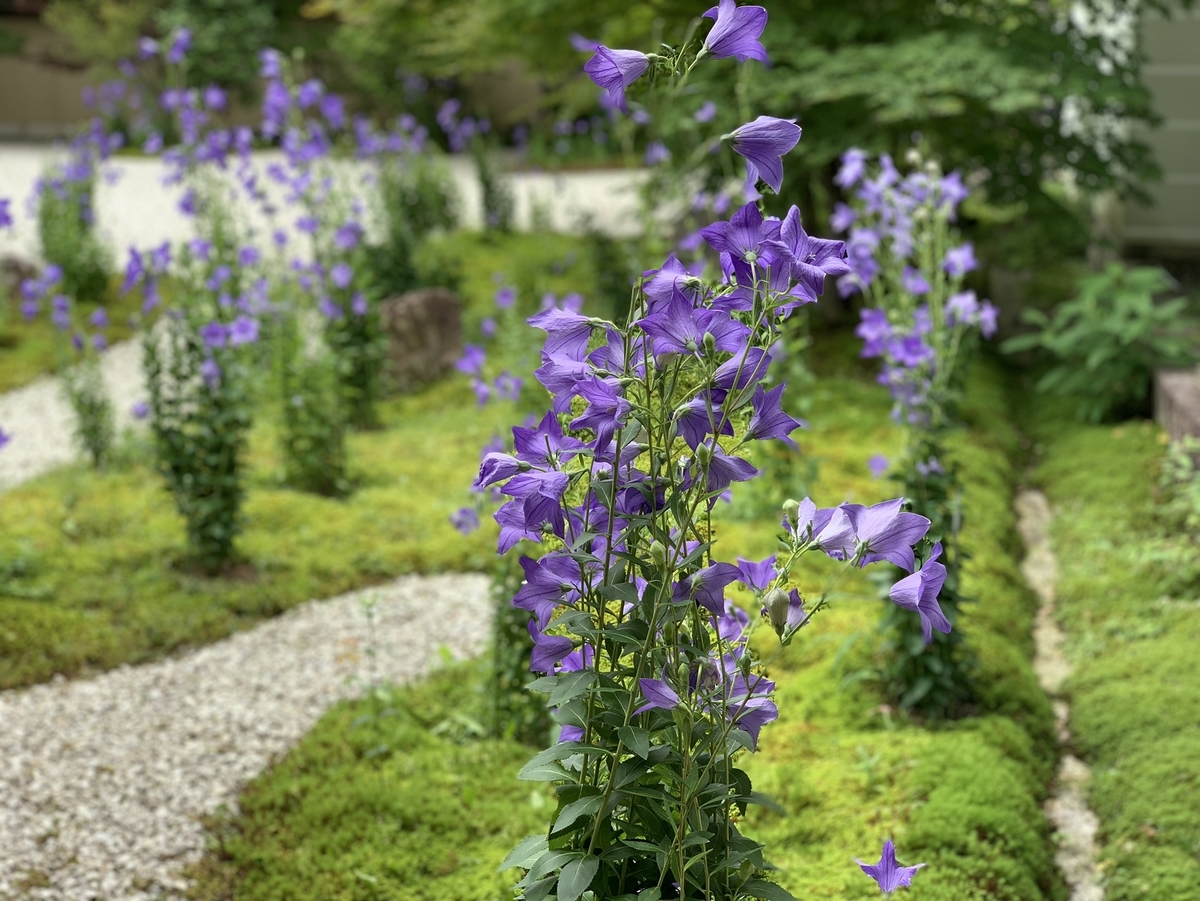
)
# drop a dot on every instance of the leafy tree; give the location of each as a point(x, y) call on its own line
point(1013, 91)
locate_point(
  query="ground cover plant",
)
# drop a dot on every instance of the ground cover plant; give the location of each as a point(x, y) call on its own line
point(1127, 597)
point(379, 802)
point(93, 564)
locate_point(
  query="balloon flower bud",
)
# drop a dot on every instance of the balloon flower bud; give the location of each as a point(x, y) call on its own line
point(791, 509)
point(775, 606)
point(786, 612)
point(658, 553)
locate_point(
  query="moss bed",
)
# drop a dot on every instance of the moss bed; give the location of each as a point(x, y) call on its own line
point(390, 798)
point(1127, 598)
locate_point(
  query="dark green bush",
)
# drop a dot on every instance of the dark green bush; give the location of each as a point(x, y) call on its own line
point(67, 231)
point(1107, 341)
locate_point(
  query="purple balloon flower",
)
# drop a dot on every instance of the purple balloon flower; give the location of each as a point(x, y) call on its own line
point(243, 330)
point(506, 297)
point(736, 32)
point(706, 112)
point(5, 437)
point(885, 532)
point(465, 519)
point(548, 650)
point(919, 592)
point(140, 410)
point(6, 219)
point(180, 45)
point(763, 143)
point(341, 275)
point(215, 334)
point(888, 874)
point(960, 260)
point(658, 694)
point(757, 576)
point(768, 419)
point(878, 465)
point(615, 70)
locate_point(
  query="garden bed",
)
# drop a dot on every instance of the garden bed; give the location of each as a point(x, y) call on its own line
point(396, 796)
point(1127, 598)
point(92, 568)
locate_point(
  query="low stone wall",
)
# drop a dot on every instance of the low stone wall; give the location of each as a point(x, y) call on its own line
point(1177, 401)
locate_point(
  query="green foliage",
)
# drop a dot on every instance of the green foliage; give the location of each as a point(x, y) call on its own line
point(358, 347)
point(199, 426)
point(1107, 341)
point(982, 82)
point(517, 713)
point(100, 30)
point(431, 818)
point(67, 232)
point(1133, 620)
point(417, 200)
point(495, 188)
point(226, 38)
point(313, 432)
point(94, 426)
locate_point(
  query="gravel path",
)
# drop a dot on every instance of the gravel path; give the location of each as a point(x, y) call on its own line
point(41, 423)
point(1075, 825)
point(103, 781)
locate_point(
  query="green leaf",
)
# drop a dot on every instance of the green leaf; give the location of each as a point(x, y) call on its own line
point(548, 863)
point(636, 739)
point(650, 894)
point(766, 801)
point(769, 891)
point(525, 853)
point(576, 876)
point(571, 686)
point(575, 810)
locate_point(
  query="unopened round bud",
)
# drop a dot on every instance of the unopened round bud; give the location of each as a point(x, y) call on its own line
point(913, 156)
point(791, 509)
point(776, 604)
point(710, 344)
point(658, 553)
point(704, 454)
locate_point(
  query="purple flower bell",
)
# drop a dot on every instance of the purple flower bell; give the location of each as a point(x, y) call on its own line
point(615, 70)
point(888, 874)
point(736, 32)
point(763, 144)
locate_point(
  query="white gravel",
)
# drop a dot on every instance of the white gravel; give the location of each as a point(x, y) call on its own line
point(41, 422)
point(1075, 825)
point(104, 781)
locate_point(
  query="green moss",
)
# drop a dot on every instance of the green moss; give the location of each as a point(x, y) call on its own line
point(1132, 631)
point(965, 799)
point(374, 805)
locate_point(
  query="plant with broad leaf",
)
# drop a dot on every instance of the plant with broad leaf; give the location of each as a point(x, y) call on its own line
point(909, 262)
point(650, 670)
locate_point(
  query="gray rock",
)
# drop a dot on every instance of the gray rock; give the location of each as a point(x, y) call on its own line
point(424, 330)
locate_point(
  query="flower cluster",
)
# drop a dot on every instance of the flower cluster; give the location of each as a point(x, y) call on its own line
point(646, 659)
point(903, 257)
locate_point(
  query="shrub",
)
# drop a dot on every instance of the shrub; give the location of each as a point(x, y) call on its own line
point(66, 229)
point(1106, 342)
